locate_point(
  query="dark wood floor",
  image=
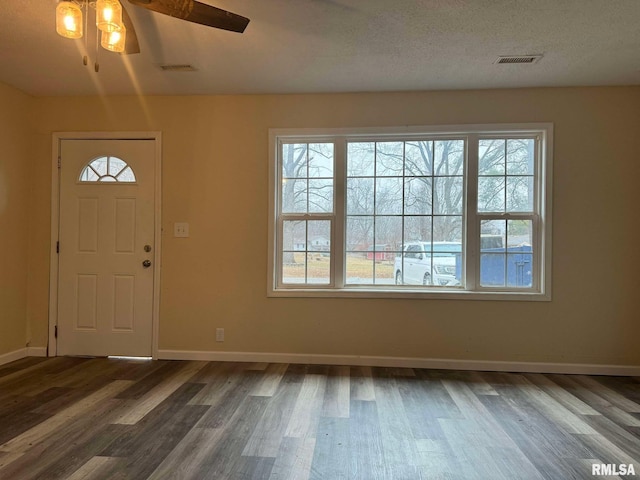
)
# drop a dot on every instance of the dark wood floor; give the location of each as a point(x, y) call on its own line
point(75, 418)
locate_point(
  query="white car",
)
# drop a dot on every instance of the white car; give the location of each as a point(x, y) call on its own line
point(427, 263)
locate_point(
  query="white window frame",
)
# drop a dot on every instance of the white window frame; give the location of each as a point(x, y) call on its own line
point(541, 287)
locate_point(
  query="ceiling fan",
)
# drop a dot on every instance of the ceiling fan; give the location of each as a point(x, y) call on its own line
point(189, 10)
point(117, 31)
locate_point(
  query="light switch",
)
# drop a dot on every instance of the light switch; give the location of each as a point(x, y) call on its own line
point(181, 230)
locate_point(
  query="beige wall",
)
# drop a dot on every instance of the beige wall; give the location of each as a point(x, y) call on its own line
point(215, 176)
point(15, 115)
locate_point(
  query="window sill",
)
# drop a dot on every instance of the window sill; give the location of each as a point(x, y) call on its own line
point(412, 294)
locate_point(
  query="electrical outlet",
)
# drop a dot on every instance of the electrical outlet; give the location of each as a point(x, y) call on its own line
point(181, 230)
point(219, 334)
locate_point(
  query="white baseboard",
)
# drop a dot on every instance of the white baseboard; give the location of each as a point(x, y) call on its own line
point(13, 356)
point(372, 361)
point(406, 362)
point(23, 352)
point(36, 351)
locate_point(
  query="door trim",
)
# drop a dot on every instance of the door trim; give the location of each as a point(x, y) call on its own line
point(57, 138)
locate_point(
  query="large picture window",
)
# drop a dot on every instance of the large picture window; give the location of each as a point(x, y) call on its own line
point(432, 212)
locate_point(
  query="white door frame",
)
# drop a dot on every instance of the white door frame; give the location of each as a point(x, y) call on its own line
point(55, 226)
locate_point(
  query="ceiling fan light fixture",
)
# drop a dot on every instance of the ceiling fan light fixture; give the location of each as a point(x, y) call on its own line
point(69, 20)
point(114, 41)
point(109, 15)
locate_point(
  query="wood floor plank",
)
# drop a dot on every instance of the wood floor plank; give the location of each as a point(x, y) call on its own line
point(18, 423)
point(6, 458)
point(544, 444)
point(22, 442)
point(397, 439)
point(569, 401)
point(294, 459)
point(303, 421)
point(162, 417)
point(226, 459)
point(233, 393)
point(63, 418)
point(519, 405)
point(332, 450)
point(478, 384)
point(271, 379)
point(86, 374)
point(150, 378)
point(623, 438)
point(150, 447)
point(596, 401)
point(261, 366)
point(63, 459)
point(254, 468)
point(20, 365)
point(12, 406)
point(546, 404)
point(425, 401)
point(473, 457)
point(473, 410)
point(134, 369)
point(68, 395)
point(270, 430)
point(607, 450)
point(94, 469)
point(337, 393)
point(184, 461)
point(362, 384)
point(30, 370)
point(626, 386)
point(222, 382)
point(402, 372)
point(367, 458)
point(613, 397)
point(33, 379)
point(159, 393)
point(65, 449)
point(436, 458)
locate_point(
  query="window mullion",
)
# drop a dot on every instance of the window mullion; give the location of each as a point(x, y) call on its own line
point(339, 239)
point(472, 258)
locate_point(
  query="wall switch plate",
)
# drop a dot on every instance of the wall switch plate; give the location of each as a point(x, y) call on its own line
point(219, 334)
point(181, 230)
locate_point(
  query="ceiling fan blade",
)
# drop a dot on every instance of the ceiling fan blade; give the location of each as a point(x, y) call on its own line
point(131, 44)
point(196, 12)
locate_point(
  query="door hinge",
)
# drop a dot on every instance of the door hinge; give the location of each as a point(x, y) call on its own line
point(55, 331)
point(57, 247)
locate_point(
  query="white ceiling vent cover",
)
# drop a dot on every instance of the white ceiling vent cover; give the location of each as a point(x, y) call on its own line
point(178, 68)
point(518, 59)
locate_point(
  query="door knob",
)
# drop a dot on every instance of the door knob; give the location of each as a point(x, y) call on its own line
point(146, 263)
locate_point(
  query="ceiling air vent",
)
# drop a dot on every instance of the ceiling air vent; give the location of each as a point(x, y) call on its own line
point(517, 59)
point(178, 68)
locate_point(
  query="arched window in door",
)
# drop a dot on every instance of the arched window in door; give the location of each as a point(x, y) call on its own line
point(107, 169)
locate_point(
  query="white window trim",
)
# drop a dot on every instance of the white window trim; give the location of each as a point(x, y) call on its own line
point(541, 290)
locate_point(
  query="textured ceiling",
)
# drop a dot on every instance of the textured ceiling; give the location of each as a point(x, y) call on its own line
point(302, 46)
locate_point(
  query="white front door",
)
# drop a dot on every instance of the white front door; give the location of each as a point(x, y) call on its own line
point(106, 249)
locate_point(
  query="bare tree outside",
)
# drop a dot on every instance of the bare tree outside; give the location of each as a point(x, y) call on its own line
point(506, 181)
point(415, 187)
point(397, 192)
point(307, 187)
